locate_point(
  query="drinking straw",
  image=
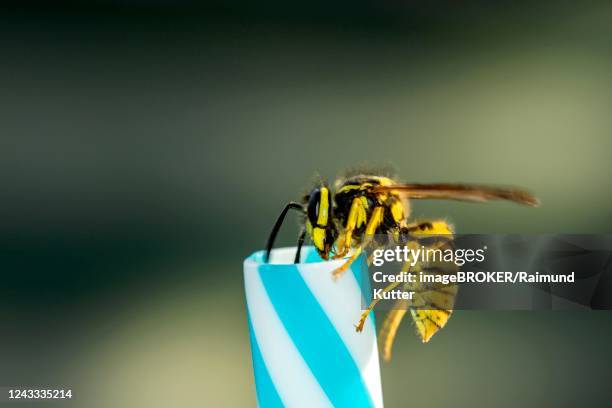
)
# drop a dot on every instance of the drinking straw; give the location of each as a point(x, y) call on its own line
point(306, 352)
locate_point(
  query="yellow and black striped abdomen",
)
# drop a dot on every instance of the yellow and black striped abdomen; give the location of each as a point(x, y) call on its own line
point(432, 303)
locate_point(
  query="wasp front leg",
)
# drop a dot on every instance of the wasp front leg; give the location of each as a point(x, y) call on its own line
point(336, 273)
point(356, 217)
point(375, 221)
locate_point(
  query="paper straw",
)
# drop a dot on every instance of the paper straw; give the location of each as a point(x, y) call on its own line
point(306, 352)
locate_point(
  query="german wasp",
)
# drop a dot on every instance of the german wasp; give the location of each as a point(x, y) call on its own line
point(364, 208)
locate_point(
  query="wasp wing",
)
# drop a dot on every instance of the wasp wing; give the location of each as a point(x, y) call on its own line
point(462, 192)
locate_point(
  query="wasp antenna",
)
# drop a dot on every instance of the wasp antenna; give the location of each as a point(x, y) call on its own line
point(279, 222)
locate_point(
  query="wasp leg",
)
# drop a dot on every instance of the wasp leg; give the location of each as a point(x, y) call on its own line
point(336, 273)
point(279, 221)
point(366, 313)
point(299, 245)
point(341, 251)
point(356, 217)
point(389, 287)
point(375, 221)
point(387, 332)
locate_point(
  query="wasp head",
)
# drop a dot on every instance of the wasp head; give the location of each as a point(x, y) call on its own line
point(319, 221)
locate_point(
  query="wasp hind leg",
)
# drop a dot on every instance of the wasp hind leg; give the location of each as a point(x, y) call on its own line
point(388, 331)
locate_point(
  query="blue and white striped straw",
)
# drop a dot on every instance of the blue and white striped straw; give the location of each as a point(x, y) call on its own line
point(306, 352)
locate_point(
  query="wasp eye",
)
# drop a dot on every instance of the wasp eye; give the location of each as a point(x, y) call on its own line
point(313, 206)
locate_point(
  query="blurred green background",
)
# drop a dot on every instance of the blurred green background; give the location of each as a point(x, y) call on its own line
point(147, 147)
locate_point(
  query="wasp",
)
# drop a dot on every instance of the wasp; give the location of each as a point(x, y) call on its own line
point(363, 210)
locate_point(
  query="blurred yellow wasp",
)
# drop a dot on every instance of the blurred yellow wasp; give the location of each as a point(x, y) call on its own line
point(360, 209)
